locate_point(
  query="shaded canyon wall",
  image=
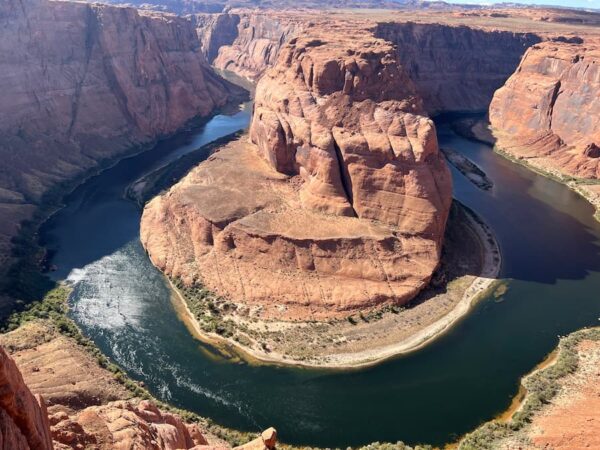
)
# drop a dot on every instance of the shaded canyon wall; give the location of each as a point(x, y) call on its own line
point(83, 83)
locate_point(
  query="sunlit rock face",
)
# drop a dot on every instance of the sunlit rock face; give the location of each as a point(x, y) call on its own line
point(336, 202)
point(548, 110)
point(23, 417)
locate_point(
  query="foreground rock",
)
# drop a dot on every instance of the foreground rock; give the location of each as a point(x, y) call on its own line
point(547, 113)
point(87, 406)
point(83, 84)
point(338, 203)
point(23, 417)
point(561, 408)
point(245, 42)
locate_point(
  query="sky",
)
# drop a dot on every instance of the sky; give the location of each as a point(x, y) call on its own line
point(572, 3)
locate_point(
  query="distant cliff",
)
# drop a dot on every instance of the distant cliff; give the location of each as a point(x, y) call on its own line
point(82, 83)
point(456, 68)
point(246, 42)
point(548, 112)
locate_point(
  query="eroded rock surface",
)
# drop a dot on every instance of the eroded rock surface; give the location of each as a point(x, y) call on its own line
point(338, 203)
point(246, 43)
point(83, 83)
point(23, 416)
point(456, 68)
point(548, 110)
point(87, 407)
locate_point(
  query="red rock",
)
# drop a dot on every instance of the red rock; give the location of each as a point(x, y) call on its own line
point(547, 111)
point(23, 417)
point(85, 82)
point(346, 207)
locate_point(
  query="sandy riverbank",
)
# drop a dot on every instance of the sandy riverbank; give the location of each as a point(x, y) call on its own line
point(369, 339)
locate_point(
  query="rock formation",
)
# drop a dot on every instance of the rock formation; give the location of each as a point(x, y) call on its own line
point(245, 43)
point(23, 416)
point(74, 95)
point(548, 111)
point(79, 413)
point(338, 203)
point(456, 68)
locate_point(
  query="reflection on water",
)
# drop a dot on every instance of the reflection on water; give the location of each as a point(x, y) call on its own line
point(551, 261)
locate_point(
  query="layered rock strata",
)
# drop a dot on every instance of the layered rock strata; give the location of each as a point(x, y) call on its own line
point(456, 68)
point(338, 203)
point(547, 112)
point(23, 417)
point(245, 43)
point(83, 83)
point(80, 413)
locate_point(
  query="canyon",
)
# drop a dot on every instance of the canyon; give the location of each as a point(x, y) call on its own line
point(76, 98)
point(332, 208)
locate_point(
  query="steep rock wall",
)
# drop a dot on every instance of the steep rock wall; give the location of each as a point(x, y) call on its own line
point(23, 417)
point(245, 43)
point(338, 203)
point(548, 111)
point(82, 83)
point(456, 68)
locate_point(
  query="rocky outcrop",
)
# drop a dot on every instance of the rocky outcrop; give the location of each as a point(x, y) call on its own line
point(338, 203)
point(245, 43)
point(23, 416)
point(547, 112)
point(124, 425)
point(456, 68)
point(83, 83)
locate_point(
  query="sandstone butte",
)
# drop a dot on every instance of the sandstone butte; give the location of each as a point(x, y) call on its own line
point(79, 408)
point(74, 95)
point(548, 111)
point(337, 202)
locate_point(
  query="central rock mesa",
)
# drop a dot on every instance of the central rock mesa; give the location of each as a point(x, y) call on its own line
point(338, 202)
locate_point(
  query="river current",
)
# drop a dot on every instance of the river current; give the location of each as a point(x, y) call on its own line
point(551, 266)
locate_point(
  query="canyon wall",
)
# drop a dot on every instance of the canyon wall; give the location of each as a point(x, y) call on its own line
point(84, 83)
point(456, 68)
point(337, 203)
point(245, 43)
point(548, 111)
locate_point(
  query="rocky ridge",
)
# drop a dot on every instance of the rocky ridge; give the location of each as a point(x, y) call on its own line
point(350, 195)
point(546, 113)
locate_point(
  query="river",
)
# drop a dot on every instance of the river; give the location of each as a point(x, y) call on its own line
point(551, 263)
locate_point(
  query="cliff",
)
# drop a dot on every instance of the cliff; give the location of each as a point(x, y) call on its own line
point(75, 95)
point(23, 417)
point(547, 112)
point(456, 68)
point(338, 203)
point(245, 43)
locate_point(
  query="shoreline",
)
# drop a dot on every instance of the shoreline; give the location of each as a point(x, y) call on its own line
point(537, 392)
point(577, 185)
point(371, 357)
